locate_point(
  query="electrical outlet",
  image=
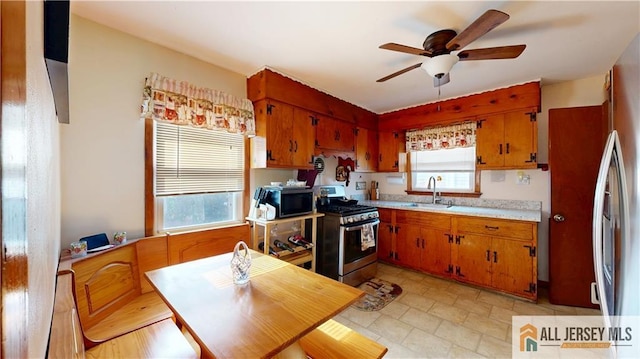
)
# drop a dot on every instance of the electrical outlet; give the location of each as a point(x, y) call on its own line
point(522, 179)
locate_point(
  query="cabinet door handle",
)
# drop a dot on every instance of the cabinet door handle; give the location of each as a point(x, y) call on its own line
point(418, 242)
point(380, 160)
point(390, 228)
point(495, 257)
point(500, 150)
point(296, 146)
point(488, 255)
point(290, 146)
point(491, 228)
point(507, 148)
point(422, 243)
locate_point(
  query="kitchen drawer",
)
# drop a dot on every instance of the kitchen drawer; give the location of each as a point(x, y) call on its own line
point(384, 215)
point(432, 220)
point(496, 227)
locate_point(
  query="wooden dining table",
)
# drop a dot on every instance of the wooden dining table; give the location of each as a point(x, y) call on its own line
point(278, 306)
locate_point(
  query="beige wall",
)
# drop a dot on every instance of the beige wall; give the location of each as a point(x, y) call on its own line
point(42, 187)
point(102, 149)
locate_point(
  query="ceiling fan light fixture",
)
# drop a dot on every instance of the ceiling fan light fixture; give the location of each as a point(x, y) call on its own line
point(440, 65)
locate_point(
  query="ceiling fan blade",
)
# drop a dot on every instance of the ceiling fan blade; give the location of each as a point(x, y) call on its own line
point(492, 53)
point(485, 23)
point(437, 82)
point(399, 72)
point(406, 49)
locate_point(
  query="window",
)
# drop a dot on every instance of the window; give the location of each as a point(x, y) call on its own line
point(198, 177)
point(454, 169)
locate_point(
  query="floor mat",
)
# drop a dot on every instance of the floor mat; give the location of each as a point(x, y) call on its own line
point(379, 293)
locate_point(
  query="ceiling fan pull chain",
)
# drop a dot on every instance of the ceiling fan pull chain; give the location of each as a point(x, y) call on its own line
point(438, 98)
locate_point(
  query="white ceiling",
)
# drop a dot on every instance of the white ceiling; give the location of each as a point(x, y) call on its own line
point(333, 45)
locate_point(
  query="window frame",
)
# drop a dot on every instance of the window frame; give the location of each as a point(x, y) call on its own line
point(150, 202)
point(410, 190)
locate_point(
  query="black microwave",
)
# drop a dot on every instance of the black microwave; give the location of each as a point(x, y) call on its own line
point(290, 201)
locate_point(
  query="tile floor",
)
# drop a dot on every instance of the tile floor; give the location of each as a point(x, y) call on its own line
point(435, 318)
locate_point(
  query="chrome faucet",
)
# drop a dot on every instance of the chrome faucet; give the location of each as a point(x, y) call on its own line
point(434, 188)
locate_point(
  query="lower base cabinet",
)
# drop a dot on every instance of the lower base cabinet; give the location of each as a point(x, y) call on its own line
point(471, 263)
point(386, 248)
point(492, 253)
point(424, 248)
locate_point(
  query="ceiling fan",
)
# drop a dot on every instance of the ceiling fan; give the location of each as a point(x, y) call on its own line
point(438, 46)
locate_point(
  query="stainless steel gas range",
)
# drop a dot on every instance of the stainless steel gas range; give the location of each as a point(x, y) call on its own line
point(347, 243)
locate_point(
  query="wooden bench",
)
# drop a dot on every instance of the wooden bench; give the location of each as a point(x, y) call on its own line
point(114, 312)
point(110, 301)
point(161, 339)
point(332, 340)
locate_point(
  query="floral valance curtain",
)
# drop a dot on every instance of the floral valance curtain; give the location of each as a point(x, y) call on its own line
point(442, 137)
point(182, 103)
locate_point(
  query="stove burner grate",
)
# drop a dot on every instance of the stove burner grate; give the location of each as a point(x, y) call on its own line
point(346, 210)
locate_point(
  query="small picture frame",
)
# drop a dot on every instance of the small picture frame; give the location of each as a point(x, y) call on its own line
point(361, 186)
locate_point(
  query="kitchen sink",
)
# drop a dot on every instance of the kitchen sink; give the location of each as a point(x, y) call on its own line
point(428, 205)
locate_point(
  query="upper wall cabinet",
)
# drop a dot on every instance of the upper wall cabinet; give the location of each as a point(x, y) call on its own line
point(477, 105)
point(334, 120)
point(366, 150)
point(391, 149)
point(507, 141)
point(286, 136)
point(334, 136)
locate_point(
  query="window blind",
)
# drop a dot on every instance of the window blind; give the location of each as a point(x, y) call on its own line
point(193, 160)
point(456, 159)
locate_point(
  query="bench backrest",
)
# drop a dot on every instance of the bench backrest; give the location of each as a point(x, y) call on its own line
point(188, 246)
point(104, 283)
point(152, 254)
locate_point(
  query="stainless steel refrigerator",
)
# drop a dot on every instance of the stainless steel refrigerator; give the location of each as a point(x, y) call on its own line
point(616, 215)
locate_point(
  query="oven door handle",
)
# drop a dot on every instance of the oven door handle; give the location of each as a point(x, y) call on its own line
point(359, 227)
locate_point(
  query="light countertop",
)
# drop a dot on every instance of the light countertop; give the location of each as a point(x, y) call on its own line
point(501, 213)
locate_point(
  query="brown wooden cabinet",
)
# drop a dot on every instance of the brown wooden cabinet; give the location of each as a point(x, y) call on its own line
point(385, 235)
point(415, 239)
point(391, 145)
point(499, 254)
point(405, 252)
point(507, 140)
point(493, 253)
point(426, 237)
point(303, 140)
point(335, 122)
point(334, 135)
point(366, 150)
point(471, 264)
point(288, 132)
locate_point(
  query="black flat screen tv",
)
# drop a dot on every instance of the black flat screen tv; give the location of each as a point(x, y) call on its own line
point(56, 53)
